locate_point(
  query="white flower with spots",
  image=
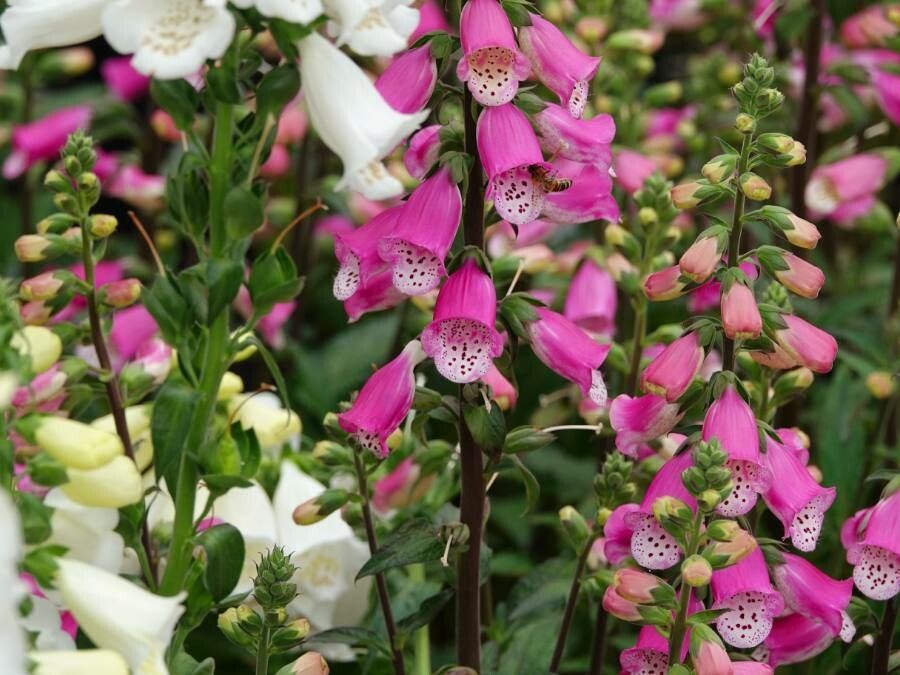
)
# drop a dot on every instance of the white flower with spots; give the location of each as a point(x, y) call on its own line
point(372, 27)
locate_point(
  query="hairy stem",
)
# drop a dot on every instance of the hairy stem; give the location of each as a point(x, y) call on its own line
point(571, 602)
point(262, 652)
point(734, 242)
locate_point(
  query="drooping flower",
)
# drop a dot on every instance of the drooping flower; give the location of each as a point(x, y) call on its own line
point(671, 373)
point(589, 197)
point(296, 11)
point(665, 284)
point(123, 80)
point(400, 487)
point(745, 591)
point(361, 134)
point(423, 235)
point(846, 180)
point(431, 19)
point(874, 549)
point(492, 65)
point(357, 252)
point(461, 337)
point(678, 15)
point(424, 149)
point(702, 257)
point(586, 141)
point(88, 533)
point(42, 139)
point(408, 81)
point(619, 607)
point(870, 27)
point(640, 419)
point(380, 293)
point(731, 421)
point(569, 351)
point(371, 28)
point(592, 299)
point(502, 390)
point(793, 639)
point(632, 169)
point(649, 655)
point(807, 345)
point(794, 497)
point(809, 591)
point(740, 315)
point(38, 24)
point(383, 401)
point(558, 64)
point(792, 271)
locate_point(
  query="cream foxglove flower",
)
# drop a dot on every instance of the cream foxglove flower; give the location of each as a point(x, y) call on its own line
point(118, 615)
point(113, 485)
point(297, 11)
point(328, 555)
point(170, 39)
point(12, 643)
point(36, 24)
point(274, 426)
point(88, 533)
point(352, 118)
point(372, 27)
point(82, 662)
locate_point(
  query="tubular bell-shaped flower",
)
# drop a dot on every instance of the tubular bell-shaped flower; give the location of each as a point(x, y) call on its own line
point(361, 133)
point(371, 28)
point(567, 350)
point(558, 64)
point(357, 252)
point(745, 591)
point(408, 82)
point(591, 301)
point(423, 235)
point(297, 11)
point(795, 498)
point(462, 338)
point(516, 170)
point(423, 151)
point(640, 419)
point(589, 197)
point(807, 345)
point(794, 638)
point(740, 315)
point(650, 653)
point(809, 591)
point(41, 140)
point(731, 421)
point(384, 401)
point(492, 64)
point(833, 185)
point(671, 373)
point(378, 294)
point(586, 141)
point(875, 553)
point(29, 25)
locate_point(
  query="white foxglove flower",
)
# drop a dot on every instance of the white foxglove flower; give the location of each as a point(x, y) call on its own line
point(297, 11)
point(372, 27)
point(118, 615)
point(273, 425)
point(88, 533)
point(328, 554)
point(36, 24)
point(352, 118)
point(170, 39)
point(82, 662)
point(43, 622)
point(12, 643)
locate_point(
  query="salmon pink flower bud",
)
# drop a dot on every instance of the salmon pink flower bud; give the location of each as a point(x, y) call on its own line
point(632, 169)
point(33, 248)
point(357, 252)
point(752, 602)
point(794, 497)
point(42, 388)
point(44, 286)
point(871, 27)
point(423, 152)
point(703, 256)
point(636, 586)
point(797, 275)
point(755, 187)
point(795, 638)
point(277, 164)
point(588, 197)
point(558, 64)
point(808, 345)
point(41, 140)
point(671, 373)
point(400, 487)
point(408, 82)
point(844, 181)
point(665, 284)
point(640, 419)
point(492, 65)
point(586, 141)
point(731, 421)
point(424, 232)
point(740, 315)
point(696, 571)
point(164, 126)
point(122, 80)
point(740, 544)
point(311, 663)
point(569, 351)
point(719, 168)
point(384, 401)
point(687, 195)
point(708, 656)
point(809, 591)
point(518, 176)
point(875, 554)
point(796, 155)
point(462, 338)
point(120, 294)
point(378, 294)
point(619, 607)
point(592, 299)
point(502, 390)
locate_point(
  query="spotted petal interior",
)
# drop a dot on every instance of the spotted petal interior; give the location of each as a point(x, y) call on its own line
point(463, 350)
point(651, 546)
point(578, 98)
point(415, 270)
point(598, 393)
point(877, 573)
point(746, 477)
point(346, 281)
point(848, 628)
point(748, 621)
point(491, 78)
point(645, 662)
point(370, 441)
point(807, 524)
point(518, 198)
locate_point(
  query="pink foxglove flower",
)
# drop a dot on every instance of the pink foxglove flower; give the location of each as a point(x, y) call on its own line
point(408, 82)
point(154, 358)
point(650, 653)
point(752, 602)
point(677, 15)
point(792, 271)
point(357, 252)
point(423, 235)
point(870, 27)
point(41, 140)
point(591, 301)
point(794, 497)
point(640, 419)
point(383, 401)
point(586, 141)
point(632, 169)
point(731, 421)
point(503, 391)
point(617, 534)
point(431, 19)
point(122, 80)
point(518, 176)
point(462, 338)
point(424, 149)
point(875, 555)
point(558, 64)
point(846, 180)
point(671, 373)
point(665, 284)
point(793, 639)
point(740, 315)
point(398, 488)
point(703, 256)
point(131, 328)
point(809, 591)
point(569, 351)
point(492, 65)
point(378, 294)
point(133, 186)
point(887, 89)
point(709, 657)
point(277, 164)
point(589, 197)
point(807, 345)
point(42, 388)
point(651, 546)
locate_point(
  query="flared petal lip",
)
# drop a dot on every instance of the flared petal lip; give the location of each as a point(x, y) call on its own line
point(432, 329)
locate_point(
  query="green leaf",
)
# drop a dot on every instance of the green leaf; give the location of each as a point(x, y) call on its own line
point(416, 541)
point(224, 548)
point(706, 616)
point(41, 563)
point(173, 414)
point(243, 213)
point(532, 487)
point(222, 83)
point(168, 307)
point(488, 428)
point(529, 651)
point(35, 517)
point(178, 98)
point(277, 88)
point(427, 611)
point(223, 278)
point(273, 279)
point(220, 483)
point(44, 470)
point(350, 635)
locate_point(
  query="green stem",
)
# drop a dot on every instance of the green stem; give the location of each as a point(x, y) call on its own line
point(421, 639)
point(262, 652)
point(637, 343)
point(571, 602)
point(676, 637)
point(219, 174)
point(734, 241)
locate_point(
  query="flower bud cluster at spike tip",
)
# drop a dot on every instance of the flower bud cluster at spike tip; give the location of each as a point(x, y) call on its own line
point(612, 485)
point(709, 480)
point(272, 587)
